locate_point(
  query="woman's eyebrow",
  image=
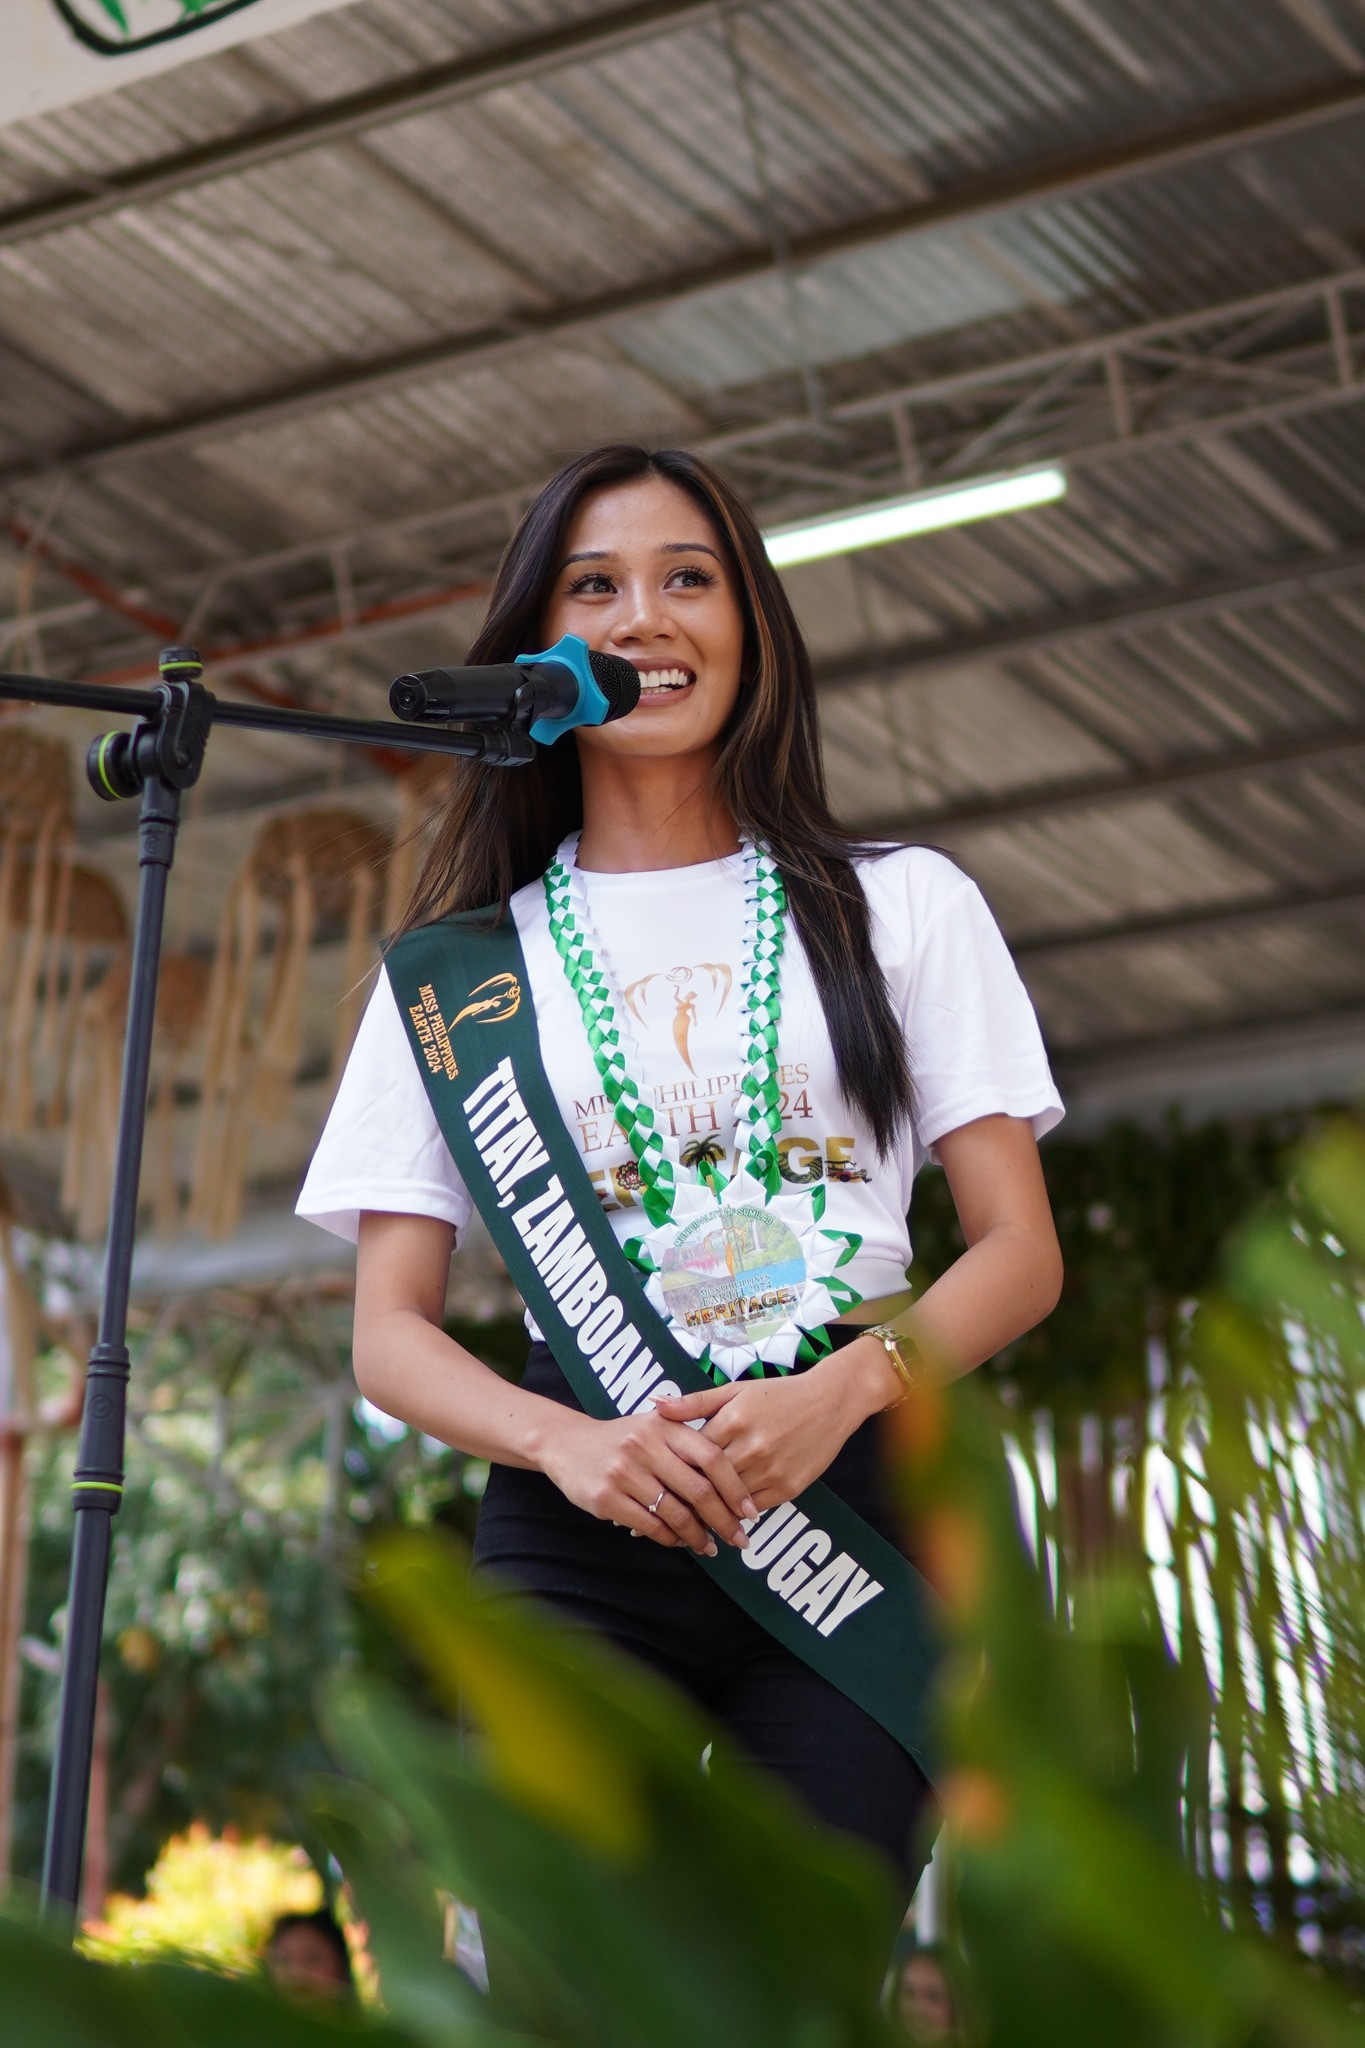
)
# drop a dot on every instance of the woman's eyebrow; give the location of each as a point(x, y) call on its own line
point(688, 547)
point(668, 547)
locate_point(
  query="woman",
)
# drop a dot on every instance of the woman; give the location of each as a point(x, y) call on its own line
point(688, 851)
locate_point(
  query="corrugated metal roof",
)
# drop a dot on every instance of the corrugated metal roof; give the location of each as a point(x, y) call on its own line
point(700, 145)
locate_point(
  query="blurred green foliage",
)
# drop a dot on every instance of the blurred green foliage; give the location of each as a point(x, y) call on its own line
point(1077, 1738)
point(628, 1898)
point(1154, 1724)
point(1190, 1412)
point(253, 1472)
point(1143, 1215)
point(251, 1475)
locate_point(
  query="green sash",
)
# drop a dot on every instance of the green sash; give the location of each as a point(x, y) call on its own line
point(815, 1576)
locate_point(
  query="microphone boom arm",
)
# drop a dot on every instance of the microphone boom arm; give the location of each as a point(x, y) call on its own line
point(474, 742)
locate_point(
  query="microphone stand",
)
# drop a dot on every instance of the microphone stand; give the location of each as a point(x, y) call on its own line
point(157, 761)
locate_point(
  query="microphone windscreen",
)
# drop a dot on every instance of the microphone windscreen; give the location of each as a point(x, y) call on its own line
point(619, 682)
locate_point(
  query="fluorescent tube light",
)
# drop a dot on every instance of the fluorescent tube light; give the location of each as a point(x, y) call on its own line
point(870, 526)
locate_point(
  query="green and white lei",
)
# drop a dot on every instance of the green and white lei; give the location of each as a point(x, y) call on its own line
point(740, 1265)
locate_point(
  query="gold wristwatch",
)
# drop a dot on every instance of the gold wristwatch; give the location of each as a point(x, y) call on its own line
point(904, 1354)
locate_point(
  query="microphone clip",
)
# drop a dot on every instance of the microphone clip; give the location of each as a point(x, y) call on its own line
point(505, 744)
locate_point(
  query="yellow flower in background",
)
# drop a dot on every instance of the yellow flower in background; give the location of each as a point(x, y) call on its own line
point(210, 1899)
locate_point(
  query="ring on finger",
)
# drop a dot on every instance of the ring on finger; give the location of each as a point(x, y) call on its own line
point(655, 1508)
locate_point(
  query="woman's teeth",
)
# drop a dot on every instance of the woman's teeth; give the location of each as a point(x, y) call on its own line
point(655, 680)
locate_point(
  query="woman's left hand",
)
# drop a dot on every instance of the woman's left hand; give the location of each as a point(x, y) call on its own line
point(780, 1434)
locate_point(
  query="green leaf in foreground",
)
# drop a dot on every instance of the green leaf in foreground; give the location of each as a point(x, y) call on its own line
point(705, 1906)
point(1075, 1742)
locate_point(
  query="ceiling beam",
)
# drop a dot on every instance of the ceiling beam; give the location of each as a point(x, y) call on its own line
point(1253, 1066)
point(33, 545)
point(1206, 921)
point(1239, 590)
point(1298, 1031)
point(368, 622)
point(920, 658)
point(341, 120)
point(1165, 339)
point(909, 661)
point(1193, 775)
point(975, 199)
point(1174, 331)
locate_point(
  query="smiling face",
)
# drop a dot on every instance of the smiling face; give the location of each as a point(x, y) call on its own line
point(644, 576)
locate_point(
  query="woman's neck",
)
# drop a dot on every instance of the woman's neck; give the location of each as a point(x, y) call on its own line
point(640, 816)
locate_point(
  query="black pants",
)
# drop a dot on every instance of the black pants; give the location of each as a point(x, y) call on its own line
point(659, 1606)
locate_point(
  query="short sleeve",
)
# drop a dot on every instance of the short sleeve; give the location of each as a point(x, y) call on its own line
point(971, 1033)
point(381, 1147)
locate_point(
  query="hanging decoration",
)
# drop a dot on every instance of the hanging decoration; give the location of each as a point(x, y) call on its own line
point(181, 1006)
point(18, 1405)
point(36, 809)
point(93, 1084)
point(95, 1070)
point(422, 790)
point(310, 873)
point(90, 935)
point(63, 934)
point(229, 1022)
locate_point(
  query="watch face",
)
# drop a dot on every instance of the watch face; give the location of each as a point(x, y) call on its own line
point(112, 28)
point(734, 1275)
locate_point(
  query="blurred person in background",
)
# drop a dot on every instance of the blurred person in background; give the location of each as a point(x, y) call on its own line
point(307, 1959)
point(924, 1997)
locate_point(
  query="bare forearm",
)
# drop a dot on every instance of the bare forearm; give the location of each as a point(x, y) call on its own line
point(410, 1369)
point(999, 1288)
point(1010, 1276)
point(1002, 1286)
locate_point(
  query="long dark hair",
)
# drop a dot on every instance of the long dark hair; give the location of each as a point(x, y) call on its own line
point(500, 827)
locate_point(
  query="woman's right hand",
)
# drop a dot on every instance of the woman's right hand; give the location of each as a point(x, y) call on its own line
point(619, 1470)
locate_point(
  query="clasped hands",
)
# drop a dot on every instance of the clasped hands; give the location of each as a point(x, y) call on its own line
point(689, 1471)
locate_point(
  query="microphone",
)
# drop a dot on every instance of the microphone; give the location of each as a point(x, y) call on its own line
point(546, 694)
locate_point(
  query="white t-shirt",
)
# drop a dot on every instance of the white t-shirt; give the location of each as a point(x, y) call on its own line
point(673, 941)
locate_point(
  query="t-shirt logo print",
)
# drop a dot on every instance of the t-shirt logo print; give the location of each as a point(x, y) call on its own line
point(495, 1008)
point(701, 990)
